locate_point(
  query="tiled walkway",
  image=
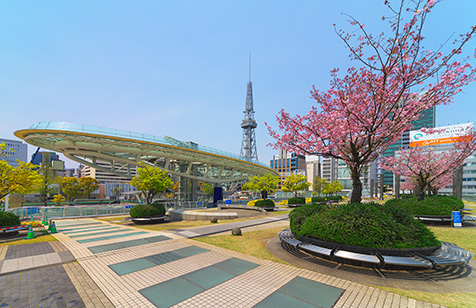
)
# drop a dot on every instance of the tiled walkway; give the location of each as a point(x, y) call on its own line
point(165, 269)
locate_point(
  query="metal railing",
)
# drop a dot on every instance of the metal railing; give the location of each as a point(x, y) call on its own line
point(57, 212)
point(78, 211)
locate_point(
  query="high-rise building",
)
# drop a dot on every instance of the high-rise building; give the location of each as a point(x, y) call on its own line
point(287, 164)
point(427, 119)
point(336, 169)
point(102, 176)
point(14, 150)
point(313, 169)
point(50, 160)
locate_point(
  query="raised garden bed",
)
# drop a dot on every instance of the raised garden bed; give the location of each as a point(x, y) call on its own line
point(148, 220)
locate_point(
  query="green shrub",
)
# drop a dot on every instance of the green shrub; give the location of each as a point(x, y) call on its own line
point(296, 201)
point(435, 205)
point(147, 210)
point(318, 199)
point(336, 198)
point(299, 215)
point(8, 219)
point(265, 203)
point(366, 225)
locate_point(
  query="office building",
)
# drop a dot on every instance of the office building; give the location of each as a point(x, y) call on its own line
point(14, 150)
point(313, 170)
point(427, 119)
point(122, 175)
point(287, 164)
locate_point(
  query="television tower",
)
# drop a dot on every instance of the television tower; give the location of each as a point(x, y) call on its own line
point(248, 144)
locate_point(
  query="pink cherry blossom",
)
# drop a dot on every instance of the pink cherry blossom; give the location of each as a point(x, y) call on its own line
point(369, 108)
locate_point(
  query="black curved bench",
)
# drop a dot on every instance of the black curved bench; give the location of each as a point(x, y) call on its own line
point(448, 254)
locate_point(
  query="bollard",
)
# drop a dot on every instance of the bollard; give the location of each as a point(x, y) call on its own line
point(30, 234)
point(53, 228)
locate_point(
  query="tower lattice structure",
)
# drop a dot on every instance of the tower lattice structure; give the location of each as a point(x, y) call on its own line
point(248, 143)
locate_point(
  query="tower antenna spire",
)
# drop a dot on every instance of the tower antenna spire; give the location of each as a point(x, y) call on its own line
point(250, 69)
point(248, 143)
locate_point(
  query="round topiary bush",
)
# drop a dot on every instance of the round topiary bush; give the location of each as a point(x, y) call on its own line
point(268, 203)
point(296, 201)
point(435, 205)
point(147, 210)
point(365, 225)
point(8, 219)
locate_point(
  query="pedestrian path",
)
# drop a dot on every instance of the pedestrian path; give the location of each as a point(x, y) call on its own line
point(167, 269)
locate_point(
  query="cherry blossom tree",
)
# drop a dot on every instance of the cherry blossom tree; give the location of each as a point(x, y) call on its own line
point(428, 169)
point(370, 107)
point(407, 186)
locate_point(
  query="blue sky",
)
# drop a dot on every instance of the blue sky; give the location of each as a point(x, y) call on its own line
point(180, 68)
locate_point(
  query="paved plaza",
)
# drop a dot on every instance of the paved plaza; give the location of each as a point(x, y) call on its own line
point(98, 264)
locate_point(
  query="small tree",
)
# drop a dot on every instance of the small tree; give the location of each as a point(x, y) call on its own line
point(333, 188)
point(58, 199)
point(295, 183)
point(87, 185)
point(70, 186)
point(151, 181)
point(207, 189)
point(319, 184)
point(117, 192)
point(267, 183)
point(20, 180)
point(49, 183)
point(3, 146)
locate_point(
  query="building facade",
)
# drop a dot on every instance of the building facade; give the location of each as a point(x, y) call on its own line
point(333, 169)
point(313, 170)
point(287, 164)
point(427, 119)
point(14, 150)
point(104, 177)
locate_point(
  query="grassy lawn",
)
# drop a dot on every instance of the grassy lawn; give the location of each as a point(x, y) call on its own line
point(44, 237)
point(250, 243)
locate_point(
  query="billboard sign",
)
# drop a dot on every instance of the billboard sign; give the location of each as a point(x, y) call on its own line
point(441, 135)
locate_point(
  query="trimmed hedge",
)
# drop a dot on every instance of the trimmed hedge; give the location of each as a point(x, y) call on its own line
point(265, 203)
point(147, 210)
point(8, 219)
point(336, 198)
point(318, 199)
point(366, 225)
point(296, 201)
point(435, 205)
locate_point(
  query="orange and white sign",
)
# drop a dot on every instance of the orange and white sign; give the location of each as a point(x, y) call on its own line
point(441, 135)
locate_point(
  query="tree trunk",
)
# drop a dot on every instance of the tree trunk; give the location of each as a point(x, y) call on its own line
point(421, 193)
point(356, 185)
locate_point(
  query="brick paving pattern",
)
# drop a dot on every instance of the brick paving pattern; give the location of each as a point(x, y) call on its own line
point(92, 282)
point(35, 249)
point(44, 287)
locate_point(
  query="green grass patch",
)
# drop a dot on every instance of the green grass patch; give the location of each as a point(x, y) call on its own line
point(435, 205)
point(250, 243)
point(44, 237)
point(463, 237)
